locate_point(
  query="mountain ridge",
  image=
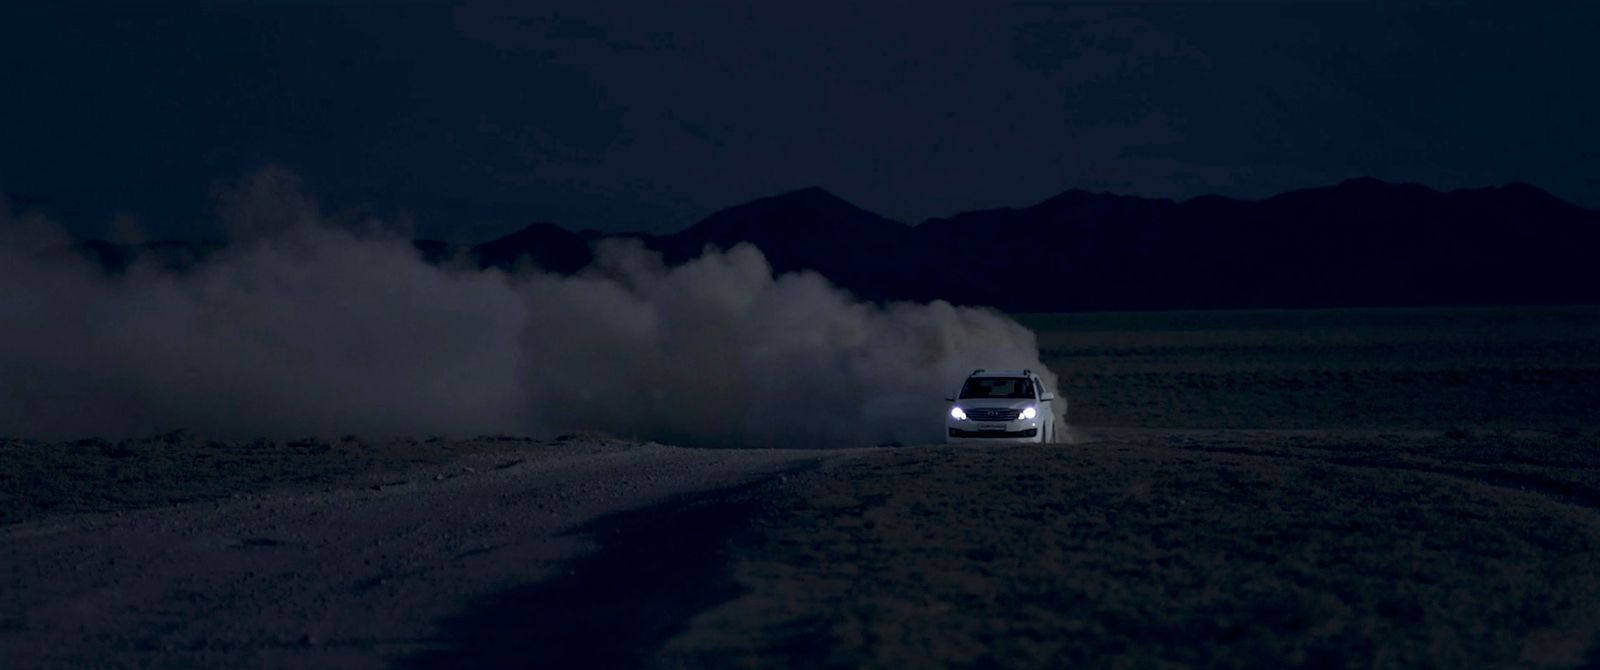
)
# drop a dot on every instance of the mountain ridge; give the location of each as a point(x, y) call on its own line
point(1358, 242)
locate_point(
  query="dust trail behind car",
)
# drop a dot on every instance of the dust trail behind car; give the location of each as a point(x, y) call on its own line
point(309, 324)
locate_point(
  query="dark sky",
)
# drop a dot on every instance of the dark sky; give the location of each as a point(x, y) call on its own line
point(481, 117)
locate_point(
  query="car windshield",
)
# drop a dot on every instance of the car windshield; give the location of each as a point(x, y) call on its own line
point(997, 387)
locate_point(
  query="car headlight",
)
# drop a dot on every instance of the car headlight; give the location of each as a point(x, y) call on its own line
point(957, 414)
point(1030, 412)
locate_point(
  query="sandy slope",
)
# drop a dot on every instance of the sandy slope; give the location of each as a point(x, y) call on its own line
point(353, 577)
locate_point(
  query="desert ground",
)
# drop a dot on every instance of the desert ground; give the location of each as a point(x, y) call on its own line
point(1332, 488)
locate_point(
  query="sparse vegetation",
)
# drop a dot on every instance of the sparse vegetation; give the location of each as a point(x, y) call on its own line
point(93, 475)
point(1218, 551)
point(1527, 368)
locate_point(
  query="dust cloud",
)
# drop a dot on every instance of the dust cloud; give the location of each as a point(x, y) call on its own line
point(310, 325)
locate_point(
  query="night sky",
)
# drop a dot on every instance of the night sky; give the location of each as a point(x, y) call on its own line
point(477, 118)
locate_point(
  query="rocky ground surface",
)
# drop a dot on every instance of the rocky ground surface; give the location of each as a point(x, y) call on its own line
point(1326, 488)
point(1174, 548)
point(364, 570)
point(1125, 548)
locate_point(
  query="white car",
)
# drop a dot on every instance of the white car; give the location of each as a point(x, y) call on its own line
point(1001, 406)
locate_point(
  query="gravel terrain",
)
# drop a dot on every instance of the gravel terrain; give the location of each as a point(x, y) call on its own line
point(355, 575)
point(1170, 548)
point(1332, 489)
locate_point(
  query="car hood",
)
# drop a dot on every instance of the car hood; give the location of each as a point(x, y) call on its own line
point(995, 403)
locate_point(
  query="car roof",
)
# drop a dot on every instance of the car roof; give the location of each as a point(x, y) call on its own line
point(1001, 373)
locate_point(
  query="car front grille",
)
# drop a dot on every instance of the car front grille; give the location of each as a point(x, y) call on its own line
point(995, 434)
point(993, 414)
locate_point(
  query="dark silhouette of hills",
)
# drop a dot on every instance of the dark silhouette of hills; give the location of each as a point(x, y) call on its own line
point(544, 245)
point(810, 229)
point(1361, 242)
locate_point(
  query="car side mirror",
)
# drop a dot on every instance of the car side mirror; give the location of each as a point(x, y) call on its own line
point(949, 398)
point(1047, 396)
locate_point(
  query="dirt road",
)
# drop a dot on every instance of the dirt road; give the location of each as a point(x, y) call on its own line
point(356, 576)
